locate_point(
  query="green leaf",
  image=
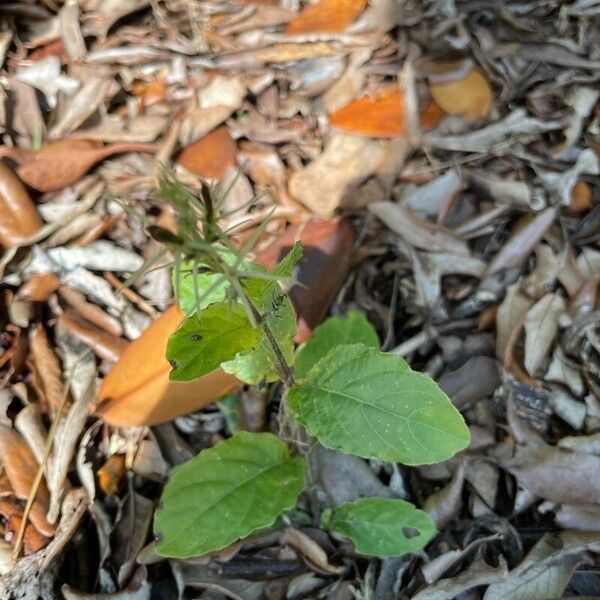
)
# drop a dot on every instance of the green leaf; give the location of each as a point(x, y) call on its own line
point(208, 287)
point(209, 337)
point(350, 329)
point(381, 526)
point(280, 317)
point(365, 402)
point(227, 492)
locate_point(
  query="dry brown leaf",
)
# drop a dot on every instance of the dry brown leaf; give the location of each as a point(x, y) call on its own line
point(471, 96)
point(137, 390)
point(581, 198)
point(314, 555)
point(327, 16)
point(111, 473)
point(60, 164)
point(381, 116)
point(21, 467)
point(39, 288)
point(210, 156)
point(19, 218)
point(445, 503)
point(104, 344)
point(91, 312)
point(510, 314)
point(541, 326)
point(47, 367)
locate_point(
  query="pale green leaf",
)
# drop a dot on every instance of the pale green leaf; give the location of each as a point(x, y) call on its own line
point(381, 526)
point(353, 328)
point(208, 338)
point(365, 402)
point(225, 493)
point(280, 317)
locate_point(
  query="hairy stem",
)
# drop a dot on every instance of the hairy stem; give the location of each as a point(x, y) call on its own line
point(285, 371)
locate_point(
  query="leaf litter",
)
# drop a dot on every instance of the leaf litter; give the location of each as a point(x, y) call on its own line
point(440, 161)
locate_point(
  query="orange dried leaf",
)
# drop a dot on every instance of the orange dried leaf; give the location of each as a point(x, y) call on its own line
point(470, 96)
point(327, 16)
point(21, 468)
point(19, 218)
point(211, 156)
point(60, 164)
point(111, 473)
point(581, 198)
point(382, 116)
point(39, 287)
point(137, 391)
point(47, 367)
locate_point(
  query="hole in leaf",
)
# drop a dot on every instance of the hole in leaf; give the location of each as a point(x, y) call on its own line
point(173, 363)
point(410, 532)
point(195, 337)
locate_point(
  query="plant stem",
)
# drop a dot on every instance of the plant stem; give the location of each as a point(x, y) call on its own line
point(287, 375)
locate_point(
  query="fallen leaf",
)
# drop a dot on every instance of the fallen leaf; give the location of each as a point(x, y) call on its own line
point(60, 164)
point(91, 312)
point(111, 473)
point(104, 344)
point(471, 96)
point(445, 503)
point(510, 313)
point(581, 198)
point(314, 555)
point(21, 468)
point(541, 326)
point(211, 156)
point(327, 16)
point(39, 287)
point(137, 390)
point(19, 218)
point(381, 116)
point(47, 367)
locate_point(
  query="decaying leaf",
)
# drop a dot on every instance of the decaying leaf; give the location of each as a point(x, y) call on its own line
point(137, 390)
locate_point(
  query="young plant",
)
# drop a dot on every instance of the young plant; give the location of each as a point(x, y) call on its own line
point(339, 387)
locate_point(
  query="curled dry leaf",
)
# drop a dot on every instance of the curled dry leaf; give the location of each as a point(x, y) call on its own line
point(581, 198)
point(211, 156)
point(60, 164)
point(445, 503)
point(327, 16)
point(21, 467)
point(19, 218)
point(137, 391)
point(381, 116)
point(470, 96)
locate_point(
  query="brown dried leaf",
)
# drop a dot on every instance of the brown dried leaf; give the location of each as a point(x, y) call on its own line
point(310, 550)
point(60, 164)
point(470, 96)
point(445, 503)
point(104, 344)
point(541, 326)
point(211, 156)
point(327, 16)
point(137, 390)
point(111, 473)
point(510, 313)
point(21, 467)
point(19, 218)
point(47, 367)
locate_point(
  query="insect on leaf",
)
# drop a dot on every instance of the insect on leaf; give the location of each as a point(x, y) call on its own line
point(381, 526)
point(365, 402)
point(208, 338)
point(352, 328)
point(227, 492)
